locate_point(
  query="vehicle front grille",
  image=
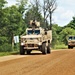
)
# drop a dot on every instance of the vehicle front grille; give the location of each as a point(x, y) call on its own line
point(73, 42)
point(31, 45)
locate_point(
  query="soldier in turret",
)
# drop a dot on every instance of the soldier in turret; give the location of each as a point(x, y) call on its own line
point(34, 23)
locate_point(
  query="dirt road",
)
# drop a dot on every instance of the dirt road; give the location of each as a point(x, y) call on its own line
point(57, 63)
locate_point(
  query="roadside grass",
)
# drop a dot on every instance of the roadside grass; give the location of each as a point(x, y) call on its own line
point(8, 53)
point(61, 46)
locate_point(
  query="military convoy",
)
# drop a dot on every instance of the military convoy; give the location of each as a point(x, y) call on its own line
point(36, 38)
point(71, 41)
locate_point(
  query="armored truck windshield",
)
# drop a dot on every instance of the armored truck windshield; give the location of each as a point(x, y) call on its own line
point(71, 38)
point(33, 32)
point(74, 37)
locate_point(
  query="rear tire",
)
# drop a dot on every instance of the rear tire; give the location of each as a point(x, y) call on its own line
point(70, 47)
point(48, 49)
point(22, 51)
point(44, 48)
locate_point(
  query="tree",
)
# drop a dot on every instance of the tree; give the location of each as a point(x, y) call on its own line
point(54, 37)
point(4, 45)
point(12, 23)
point(35, 6)
point(22, 5)
point(64, 33)
point(58, 29)
point(30, 16)
point(51, 5)
point(44, 12)
point(71, 24)
point(2, 3)
point(34, 13)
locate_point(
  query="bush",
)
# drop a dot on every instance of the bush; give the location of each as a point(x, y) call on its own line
point(6, 48)
point(61, 46)
point(3, 40)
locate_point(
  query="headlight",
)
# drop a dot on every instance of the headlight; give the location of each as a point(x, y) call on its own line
point(22, 44)
point(39, 43)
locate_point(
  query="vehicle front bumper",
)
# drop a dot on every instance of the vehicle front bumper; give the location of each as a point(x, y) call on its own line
point(31, 46)
point(72, 44)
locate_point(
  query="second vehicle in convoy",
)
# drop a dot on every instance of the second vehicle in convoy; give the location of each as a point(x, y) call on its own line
point(71, 41)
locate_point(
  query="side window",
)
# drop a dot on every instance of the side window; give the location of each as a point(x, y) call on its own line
point(70, 38)
point(74, 37)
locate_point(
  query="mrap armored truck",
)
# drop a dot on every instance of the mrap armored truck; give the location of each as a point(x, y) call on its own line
point(71, 41)
point(36, 38)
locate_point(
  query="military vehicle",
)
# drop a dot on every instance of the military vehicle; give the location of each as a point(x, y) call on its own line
point(36, 38)
point(71, 41)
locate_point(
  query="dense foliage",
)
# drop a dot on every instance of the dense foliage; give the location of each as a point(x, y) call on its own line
point(11, 24)
point(15, 19)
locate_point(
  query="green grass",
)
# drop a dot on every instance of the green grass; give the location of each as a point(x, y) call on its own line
point(8, 53)
point(62, 46)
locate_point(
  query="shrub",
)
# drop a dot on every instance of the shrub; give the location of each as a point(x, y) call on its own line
point(61, 46)
point(5, 48)
point(3, 40)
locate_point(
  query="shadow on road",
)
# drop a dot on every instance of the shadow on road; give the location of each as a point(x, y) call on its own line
point(32, 53)
point(35, 54)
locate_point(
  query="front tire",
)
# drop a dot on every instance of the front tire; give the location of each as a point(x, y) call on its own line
point(22, 51)
point(44, 48)
point(68, 47)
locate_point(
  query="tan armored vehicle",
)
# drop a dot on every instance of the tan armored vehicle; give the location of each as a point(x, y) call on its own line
point(36, 38)
point(71, 41)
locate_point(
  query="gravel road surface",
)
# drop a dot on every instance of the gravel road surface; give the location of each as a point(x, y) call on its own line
point(59, 62)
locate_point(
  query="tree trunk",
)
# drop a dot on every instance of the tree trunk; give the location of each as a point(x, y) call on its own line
point(12, 42)
point(50, 20)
